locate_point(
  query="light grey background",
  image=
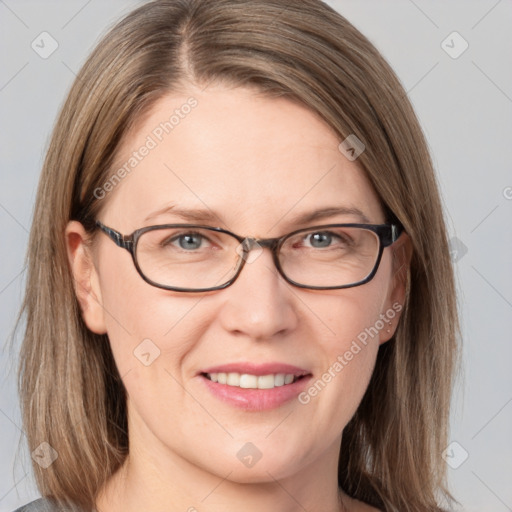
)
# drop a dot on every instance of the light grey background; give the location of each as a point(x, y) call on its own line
point(465, 107)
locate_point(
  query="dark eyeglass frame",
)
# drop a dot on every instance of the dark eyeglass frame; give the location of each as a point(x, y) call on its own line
point(388, 234)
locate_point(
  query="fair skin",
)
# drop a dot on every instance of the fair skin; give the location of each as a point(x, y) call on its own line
point(257, 163)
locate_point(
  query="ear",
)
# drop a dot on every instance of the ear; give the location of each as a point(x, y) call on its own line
point(85, 277)
point(402, 251)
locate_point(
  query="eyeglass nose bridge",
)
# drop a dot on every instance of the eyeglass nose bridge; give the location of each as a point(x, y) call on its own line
point(250, 243)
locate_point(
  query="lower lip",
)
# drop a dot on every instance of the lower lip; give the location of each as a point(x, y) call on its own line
point(256, 399)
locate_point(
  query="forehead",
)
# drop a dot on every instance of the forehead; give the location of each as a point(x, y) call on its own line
point(248, 159)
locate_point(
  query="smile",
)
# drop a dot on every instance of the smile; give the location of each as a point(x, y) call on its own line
point(249, 381)
point(255, 386)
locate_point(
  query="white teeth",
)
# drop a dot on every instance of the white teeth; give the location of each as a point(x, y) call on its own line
point(248, 381)
point(233, 379)
point(279, 379)
point(266, 381)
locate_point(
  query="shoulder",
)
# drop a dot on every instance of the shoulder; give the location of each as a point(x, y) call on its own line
point(40, 505)
point(43, 505)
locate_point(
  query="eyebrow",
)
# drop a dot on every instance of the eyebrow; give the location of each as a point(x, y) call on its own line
point(205, 215)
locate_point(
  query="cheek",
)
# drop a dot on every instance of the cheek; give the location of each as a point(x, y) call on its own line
point(333, 396)
point(355, 313)
point(353, 322)
point(142, 321)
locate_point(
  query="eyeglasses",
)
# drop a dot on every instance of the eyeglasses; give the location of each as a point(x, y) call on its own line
point(196, 258)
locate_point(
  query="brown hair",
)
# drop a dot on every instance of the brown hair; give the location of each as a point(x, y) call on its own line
point(71, 393)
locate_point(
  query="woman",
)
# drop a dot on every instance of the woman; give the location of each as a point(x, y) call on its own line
point(240, 294)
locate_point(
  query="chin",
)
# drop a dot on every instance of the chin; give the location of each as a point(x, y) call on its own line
point(251, 466)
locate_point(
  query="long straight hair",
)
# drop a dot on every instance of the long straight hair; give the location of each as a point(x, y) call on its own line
point(72, 396)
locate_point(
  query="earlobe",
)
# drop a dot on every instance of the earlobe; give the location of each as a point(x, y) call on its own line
point(402, 254)
point(85, 277)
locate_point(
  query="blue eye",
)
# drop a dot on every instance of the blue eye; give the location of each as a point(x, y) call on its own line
point(188, 241)
point(323, 239)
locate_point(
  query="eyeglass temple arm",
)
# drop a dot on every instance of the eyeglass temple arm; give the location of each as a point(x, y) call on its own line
point(396, 231)
point(118, 238)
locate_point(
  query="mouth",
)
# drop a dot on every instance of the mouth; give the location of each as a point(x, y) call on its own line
point(251, 387)
point(251, 381)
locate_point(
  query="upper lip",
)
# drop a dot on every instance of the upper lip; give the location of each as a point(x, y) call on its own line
point(257, 369)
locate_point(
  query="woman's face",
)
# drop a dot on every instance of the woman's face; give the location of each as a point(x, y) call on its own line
point(254, 164)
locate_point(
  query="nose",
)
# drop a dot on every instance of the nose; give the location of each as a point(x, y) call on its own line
point(260, 303)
